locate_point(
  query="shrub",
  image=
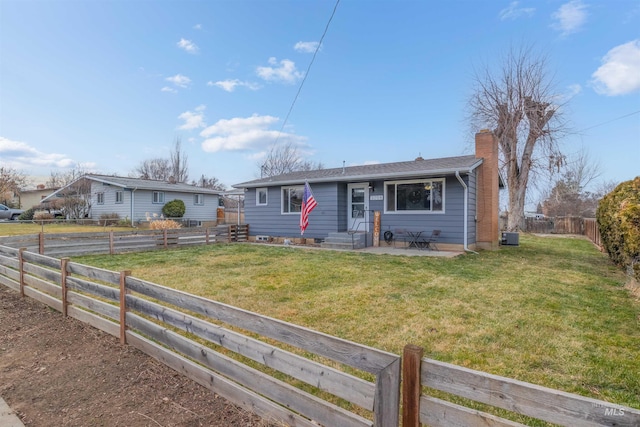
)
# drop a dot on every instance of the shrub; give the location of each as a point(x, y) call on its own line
point(174, 209)
point(42, 215)
point(164, 224)
point(124, 222)
point(109, 219)
point(27, 215)
point(618, 217)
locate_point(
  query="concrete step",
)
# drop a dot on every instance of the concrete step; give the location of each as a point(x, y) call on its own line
point(345, 241)
point(337, 245)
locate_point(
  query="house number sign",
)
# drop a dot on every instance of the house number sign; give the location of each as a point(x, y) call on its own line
point(377, 197)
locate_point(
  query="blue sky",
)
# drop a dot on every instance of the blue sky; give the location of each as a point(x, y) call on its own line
point(105, 85)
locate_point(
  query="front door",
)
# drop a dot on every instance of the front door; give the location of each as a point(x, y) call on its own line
point(358, 207)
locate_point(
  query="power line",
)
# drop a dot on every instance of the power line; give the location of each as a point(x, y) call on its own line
point(326, 28)
point(609, 121)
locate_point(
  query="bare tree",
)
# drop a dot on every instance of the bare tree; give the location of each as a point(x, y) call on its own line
point(285, 158)
point(74, 197)
point(157, 168)
point(61, 178)
point(178, 162)
point(212, 183)
point(519, 104)
point(11, 183)
point(163, 169)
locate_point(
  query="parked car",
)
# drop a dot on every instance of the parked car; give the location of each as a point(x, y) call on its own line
point(8, 213)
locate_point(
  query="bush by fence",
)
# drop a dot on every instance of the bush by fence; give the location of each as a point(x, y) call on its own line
point(162, 321)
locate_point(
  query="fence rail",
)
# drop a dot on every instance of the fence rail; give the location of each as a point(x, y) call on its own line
point(161, 322)
point(113, 242)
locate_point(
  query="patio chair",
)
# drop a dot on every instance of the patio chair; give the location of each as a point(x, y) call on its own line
point(400, 235)
point(430, 241)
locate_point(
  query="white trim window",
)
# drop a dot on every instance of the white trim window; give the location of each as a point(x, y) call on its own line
point(100, 198)
point(119, 197)
point(198, 199)
point(415, 196)
point(292, 199)
point(158, 197)
point(262, 196)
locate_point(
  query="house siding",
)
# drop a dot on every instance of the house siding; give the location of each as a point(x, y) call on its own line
point(144, 206)
point(270, 221)
point(331, 213)
point(450, 222)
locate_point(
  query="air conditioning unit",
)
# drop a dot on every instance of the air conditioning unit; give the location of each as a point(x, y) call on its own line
point(510, 239)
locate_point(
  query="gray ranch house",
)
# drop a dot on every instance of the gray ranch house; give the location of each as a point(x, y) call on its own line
point(456, 195)
point(135, 199)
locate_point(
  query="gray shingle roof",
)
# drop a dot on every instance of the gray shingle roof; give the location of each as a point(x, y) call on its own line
point(149, 184)
point(418, 168)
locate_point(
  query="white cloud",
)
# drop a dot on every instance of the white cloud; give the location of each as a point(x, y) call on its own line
point(179, 80)
point(619, 73)
point(514, 12)
point(169, 89)
point(570, 17)
point(193, 119)
point(286, 72)
point(197, 27)
point(243, 133)
point(573, 90)
point(19, 155)
point(230, 85)
point(306, 47)
point(188, 46)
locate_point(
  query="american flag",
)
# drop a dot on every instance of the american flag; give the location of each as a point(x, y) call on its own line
point(308, 203)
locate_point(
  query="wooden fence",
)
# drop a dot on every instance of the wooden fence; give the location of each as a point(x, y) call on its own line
point(565, 225)
point(161, 321)
point(592, 231)
point(113, 242)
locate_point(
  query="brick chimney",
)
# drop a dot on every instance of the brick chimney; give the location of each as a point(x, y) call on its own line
point(487, 197)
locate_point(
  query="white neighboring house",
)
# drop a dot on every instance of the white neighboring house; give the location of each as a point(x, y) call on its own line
point(135, 199)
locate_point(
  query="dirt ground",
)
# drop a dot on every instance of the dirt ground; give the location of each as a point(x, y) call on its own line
point(61, 372)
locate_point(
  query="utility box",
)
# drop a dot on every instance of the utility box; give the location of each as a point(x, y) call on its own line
point(510, 239)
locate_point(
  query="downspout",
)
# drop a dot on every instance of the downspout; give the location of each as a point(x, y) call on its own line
point(466, 212)
point(133, 190)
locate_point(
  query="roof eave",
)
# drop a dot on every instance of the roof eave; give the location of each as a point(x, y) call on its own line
point(348, 178)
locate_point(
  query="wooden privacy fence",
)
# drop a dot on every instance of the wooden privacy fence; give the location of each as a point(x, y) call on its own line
point(592, 231)
point(565, 225)
point(557, 225)
point(243, 366)
point(113, 242)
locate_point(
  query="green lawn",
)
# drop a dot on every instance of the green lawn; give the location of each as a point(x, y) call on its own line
point(552, 311)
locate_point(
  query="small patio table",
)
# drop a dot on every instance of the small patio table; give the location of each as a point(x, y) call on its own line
point(415, 240)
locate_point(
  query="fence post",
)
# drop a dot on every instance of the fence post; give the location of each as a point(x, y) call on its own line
point(123, 305)
point(206, 238)
point(386, 403)
point(21, 269)
point(41, 243)
point(111, 242)
point(63, 283)
point(411, 386)
point(164, 237)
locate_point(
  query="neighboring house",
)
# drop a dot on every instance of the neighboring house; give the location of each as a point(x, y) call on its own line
point(32, 198)
point(457, 195)
point(135, 199)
